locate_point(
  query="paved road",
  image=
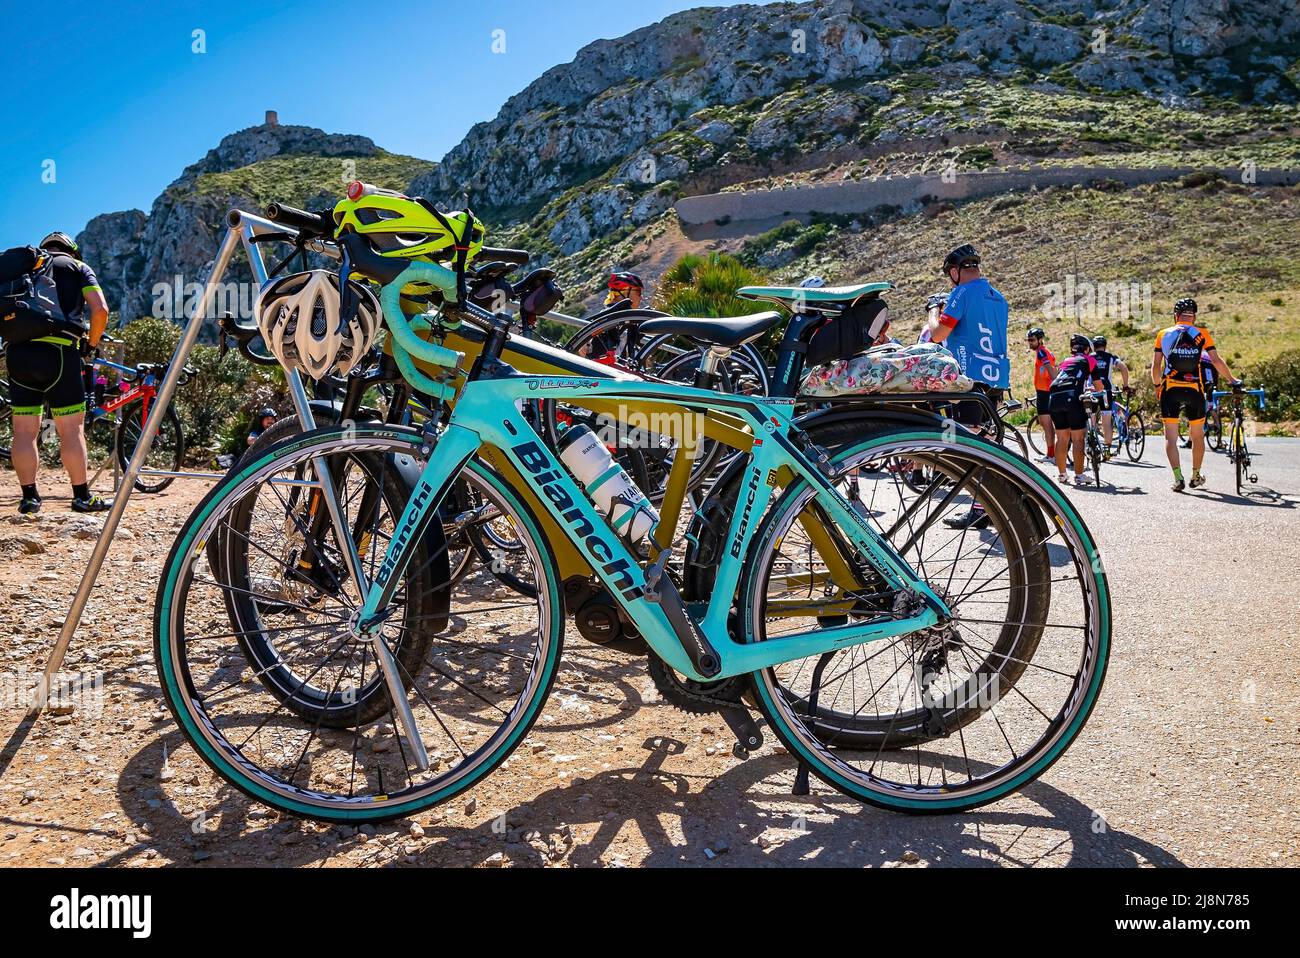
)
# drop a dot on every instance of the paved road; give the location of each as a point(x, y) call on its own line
point(1191, 757)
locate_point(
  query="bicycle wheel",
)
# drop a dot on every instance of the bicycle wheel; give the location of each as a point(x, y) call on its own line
point(165, 455)
point(1238, 453)
point(966, 712)
point(472, 698)
point(1034, 434)
point(1095, 454)
point(1135, 436)
point(1214, 431)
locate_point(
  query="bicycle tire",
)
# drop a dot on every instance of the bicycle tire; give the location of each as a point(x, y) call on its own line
point(1135, 436)
point(1214, 432)
point(169, 440)
point(1034, 435)
point(1238, 448)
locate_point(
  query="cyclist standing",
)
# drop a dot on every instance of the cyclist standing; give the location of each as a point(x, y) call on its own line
point(1065, 403)
point(48, 370)
point(1044, 372)
point(1108, 362)
point(973, 326)
point(1176, 374)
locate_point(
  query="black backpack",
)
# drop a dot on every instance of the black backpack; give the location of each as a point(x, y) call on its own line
point(29, 297)
point(1184, 355)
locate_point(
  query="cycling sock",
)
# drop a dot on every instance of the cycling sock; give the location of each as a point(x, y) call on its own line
point(81, 491)
point(29, 492)
point(1178, 473)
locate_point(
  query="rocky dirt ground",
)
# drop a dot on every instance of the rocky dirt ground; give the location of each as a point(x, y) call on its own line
point(1191, 757)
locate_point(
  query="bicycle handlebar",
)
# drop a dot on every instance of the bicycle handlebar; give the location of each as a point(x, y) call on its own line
point(518, 257)
point(406, 344)
point(311, 225)
point(1257, 393)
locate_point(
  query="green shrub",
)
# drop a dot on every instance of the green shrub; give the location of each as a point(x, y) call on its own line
point(1280, 377)
point(706, 286)
point(217, 402)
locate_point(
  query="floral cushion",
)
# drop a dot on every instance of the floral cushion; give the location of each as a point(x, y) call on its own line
point(923, 367)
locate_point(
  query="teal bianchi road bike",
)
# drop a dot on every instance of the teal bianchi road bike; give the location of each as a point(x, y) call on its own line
point(913, 664)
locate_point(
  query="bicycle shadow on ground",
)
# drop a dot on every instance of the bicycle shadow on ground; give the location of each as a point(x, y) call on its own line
point(744, 817)
point(1258, 496)
point(747, 817)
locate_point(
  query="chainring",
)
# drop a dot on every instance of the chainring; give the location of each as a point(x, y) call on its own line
point(695, 698)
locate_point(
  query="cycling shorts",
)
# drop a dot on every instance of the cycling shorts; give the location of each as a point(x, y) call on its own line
point(1067, 411)
point(1043, 400)
point(45, 372)
point(1177, 399)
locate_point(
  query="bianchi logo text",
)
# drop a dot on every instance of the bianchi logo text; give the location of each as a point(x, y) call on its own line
point(75, 911)
point(544, 473)
point(750, 492)
point(403, 537)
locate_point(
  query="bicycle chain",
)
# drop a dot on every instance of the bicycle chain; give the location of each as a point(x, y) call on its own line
point(691, 697)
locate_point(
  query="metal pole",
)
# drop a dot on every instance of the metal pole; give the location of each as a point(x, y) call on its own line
point(192, 326)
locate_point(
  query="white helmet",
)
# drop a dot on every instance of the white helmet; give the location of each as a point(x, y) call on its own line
point(299, 317)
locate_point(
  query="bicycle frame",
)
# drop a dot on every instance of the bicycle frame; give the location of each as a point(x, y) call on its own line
point(487, 414)
point(145, 389)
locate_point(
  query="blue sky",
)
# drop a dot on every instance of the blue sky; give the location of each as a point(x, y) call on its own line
point(113, 93)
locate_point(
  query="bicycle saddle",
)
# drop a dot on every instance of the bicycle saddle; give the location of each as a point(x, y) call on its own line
point(812, 297)
point(730, 332)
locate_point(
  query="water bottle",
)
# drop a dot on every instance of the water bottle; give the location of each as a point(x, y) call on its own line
point(615, 494)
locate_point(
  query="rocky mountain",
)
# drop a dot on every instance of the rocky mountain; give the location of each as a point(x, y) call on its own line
point(591, 156)
point(131, 252)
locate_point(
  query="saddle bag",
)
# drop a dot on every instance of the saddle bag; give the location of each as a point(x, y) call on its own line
point(851, 332)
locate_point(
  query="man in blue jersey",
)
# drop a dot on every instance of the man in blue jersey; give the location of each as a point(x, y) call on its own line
point(973, 326)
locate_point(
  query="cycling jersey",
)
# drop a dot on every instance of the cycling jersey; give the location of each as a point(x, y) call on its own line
point(977, 315)
point(1181, 346)
point(1042, 359)
point(1073, 376)
point(1105, 363)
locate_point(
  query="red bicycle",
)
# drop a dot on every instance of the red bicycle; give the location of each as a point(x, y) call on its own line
point(136, 392)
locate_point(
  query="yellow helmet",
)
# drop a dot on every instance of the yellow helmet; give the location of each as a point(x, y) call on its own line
point(399, 226)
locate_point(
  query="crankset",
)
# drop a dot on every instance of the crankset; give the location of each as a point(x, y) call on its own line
point(724, 697)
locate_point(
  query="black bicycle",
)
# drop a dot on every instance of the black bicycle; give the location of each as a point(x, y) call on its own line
point(1237, 449)
point(1093, 446)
